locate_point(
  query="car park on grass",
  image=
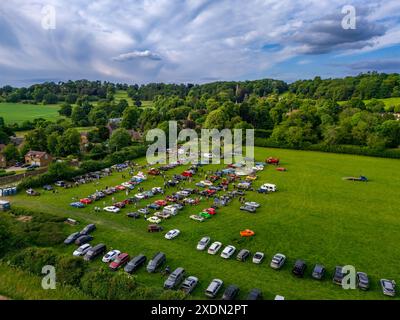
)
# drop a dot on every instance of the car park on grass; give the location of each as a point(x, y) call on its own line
point(82, 250)
point(157, 261)
point(230, 292)
point(78, 205)
point(172, 234)
point(86, 201)
point(338, 275)
point(258, 257)
point(388, 287)
point(197, 217)
point(252, 204)
point(254, 294)
point(299, 268)
point(278, 261)
point(247, 208)
point(228, 251)
point(247, 233)
point(214, 248)
point(119, 261)
point(72, 237)
point(88, 229)
point(189, 284)
point(95, 252)
point(154, 219)
point(83, 239)
point(111, 256)
point(319, 272)
point(213, 288)
point(135, 263)
point(205, 215)
point(162, 215)
point(175, 278)
point(243, 255)
point(154, 228)
point(133, 215)
point(362, 281)
point(112, 209)
point(203, 243)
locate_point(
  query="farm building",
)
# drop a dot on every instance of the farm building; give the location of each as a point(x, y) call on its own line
point(40, 158)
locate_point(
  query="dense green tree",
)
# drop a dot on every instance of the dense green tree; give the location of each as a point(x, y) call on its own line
point(119, 139)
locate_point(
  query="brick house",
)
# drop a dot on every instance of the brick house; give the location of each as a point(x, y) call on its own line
point(40, 158)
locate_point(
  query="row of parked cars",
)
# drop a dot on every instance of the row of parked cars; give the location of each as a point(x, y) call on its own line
point(299, 268)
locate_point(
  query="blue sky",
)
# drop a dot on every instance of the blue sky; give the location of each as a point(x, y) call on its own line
point(141, 41)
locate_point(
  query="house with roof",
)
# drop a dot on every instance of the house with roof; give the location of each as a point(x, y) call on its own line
point(39, 158)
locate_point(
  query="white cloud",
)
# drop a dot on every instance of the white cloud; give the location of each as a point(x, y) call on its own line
point(137, 55)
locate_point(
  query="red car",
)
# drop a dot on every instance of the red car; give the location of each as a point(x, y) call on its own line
point(280, 169)
point(121, 260)
point(170, 199)
point(271, 160)
point(127, 201)
point(187, 174)
point(210, 192)
point(153, 172)
point(214, 178)
point(161, 203)
point(120, 204)
point(86, 201)
point(120, 188)
point(211, 211)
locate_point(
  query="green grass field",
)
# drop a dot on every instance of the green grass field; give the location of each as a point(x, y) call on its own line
point(388, 101)
point(19, 112)
point(121, 94)
point(315, 216)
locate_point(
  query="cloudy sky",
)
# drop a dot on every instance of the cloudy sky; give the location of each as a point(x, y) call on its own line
point(140, 41)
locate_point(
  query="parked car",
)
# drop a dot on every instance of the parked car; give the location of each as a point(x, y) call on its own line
point(86, 201)
point(248, 209)
point(112, 209)
point(388, 287)
point(231, 292)
point(111, 256)
point(278, 261)
point(135, 263)
point(172, 234)
point(88, 229)
point(157, 261)
point(133, 215)
point(243, 255)
point(82, 250)
point(47, 187)
point(228, 252)
point(213, 288)
point(252, 204)
point(83, 239)
point(362, 281)
point(154, 228)
point(205, 215)
point(319, 272)
point(338, 275)
point(60, 183)
point(214, 248)
point(196, 217)
point(203, 243)
point(95, 252)
point(174, 279)
point(189, 284)
point(78, 205)
point(72, 237)
point(162, 215)
point(258, 257)
point(144, 211)
point(267, 187)
point(299, 268)
point(154, 219)
point(153, 206)
point(119, 261)
point(254, 294)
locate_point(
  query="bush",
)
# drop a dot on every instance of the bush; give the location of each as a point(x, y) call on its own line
point(70, 270)
point(33, 259)
point(4, 173)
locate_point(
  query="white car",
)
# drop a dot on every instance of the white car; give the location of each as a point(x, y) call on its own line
point(126, 184)
point(154, 219)
point(112, 209)
point(156, 190)
point(214, 248)
point(196, 217)
point(206, 183)
point(278, 261)
point(252, 204)
point(278, 297)
point(258, 168)
point(110, 256)
point(258, 257)
point(81, 251)
point(172, 234)
point(203, 243)
point(140, 196)
point(228, 252)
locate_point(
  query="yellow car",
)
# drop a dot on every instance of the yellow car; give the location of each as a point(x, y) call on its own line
point(251, 178)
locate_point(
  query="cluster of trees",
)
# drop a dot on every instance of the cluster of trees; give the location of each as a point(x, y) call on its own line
point(365, 86)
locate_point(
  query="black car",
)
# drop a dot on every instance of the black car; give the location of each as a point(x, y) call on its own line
point(83, 239)
point(231, 292)
point(338, 275)
point(72, 237)
point(135, 263)
point(243, 255)
point(88, 229)
point(133, 215)
point(157, 261)
point(318, 272)
point(154, 206)
point(95, 252)
point(362, 281)
point(254, 294)
point(299, 268)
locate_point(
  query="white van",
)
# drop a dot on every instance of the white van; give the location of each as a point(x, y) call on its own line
point(269, 187)
point(173, 211)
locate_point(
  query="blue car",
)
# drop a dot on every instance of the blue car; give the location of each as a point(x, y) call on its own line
point(77, 205)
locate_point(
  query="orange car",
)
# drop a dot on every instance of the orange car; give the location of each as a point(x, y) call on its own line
point(247, 233)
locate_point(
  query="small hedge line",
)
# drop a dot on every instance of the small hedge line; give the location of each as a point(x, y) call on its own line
point(345, 149)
